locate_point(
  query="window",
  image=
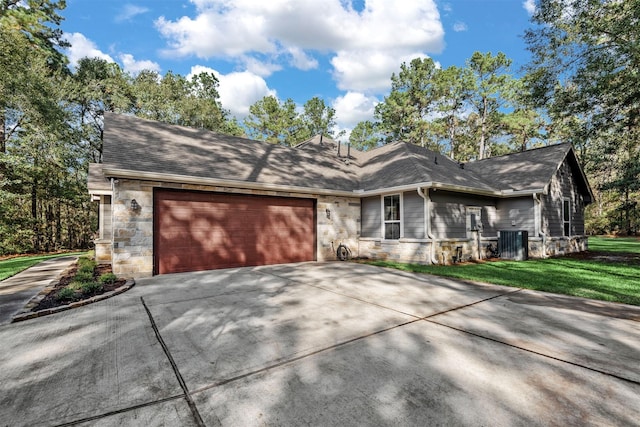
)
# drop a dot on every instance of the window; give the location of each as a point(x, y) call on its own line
point(566, 216)
point(391, 214)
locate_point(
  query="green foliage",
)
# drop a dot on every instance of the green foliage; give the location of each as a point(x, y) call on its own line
point(364, 136)
point(108, 278)
point(605, 281)
point(585, 70)
point(66, 294)
point(84, 276)
point(630, 245)
point(88, 288)
point(13, 266)
point(275, 122)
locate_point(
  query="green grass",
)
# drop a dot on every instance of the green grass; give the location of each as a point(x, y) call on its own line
point(615, 244)
point(13, 266)
point(607, 281)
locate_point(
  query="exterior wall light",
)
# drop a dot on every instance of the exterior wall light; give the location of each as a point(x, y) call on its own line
point(135, 206)
point(328, 214)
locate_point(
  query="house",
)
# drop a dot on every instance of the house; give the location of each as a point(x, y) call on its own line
point(176, 199)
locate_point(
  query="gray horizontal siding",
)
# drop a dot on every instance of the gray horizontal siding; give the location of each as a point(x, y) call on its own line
point(448, 220)
point(516, 214)
point(449, 214)
point(562, 186)
point(371, 217)
point(413, 211)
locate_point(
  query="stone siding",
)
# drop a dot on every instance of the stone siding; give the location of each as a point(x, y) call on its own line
point(133, 230)
point(404, 250)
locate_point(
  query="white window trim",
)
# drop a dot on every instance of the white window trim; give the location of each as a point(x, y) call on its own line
point(383, 222)
point(568, 200)
point(478, 211)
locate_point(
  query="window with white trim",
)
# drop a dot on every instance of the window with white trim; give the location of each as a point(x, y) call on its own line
point(566, 217)
point(391, 216)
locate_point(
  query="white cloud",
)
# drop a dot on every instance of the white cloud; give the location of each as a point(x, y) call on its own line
point(130, 11)
point(459, 27)
point(382, 35)
point(529, 6)
point(354, 107)
point(368, 71)
point(130, 65)
point(238, 90)
point(82, 47)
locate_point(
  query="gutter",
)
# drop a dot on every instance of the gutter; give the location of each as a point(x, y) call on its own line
point(427, 223)
point(185, 179)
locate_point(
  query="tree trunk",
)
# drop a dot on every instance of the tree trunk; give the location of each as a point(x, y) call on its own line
point(3, 136)
point(483, 130)
point(452, 134)
point(34, 215)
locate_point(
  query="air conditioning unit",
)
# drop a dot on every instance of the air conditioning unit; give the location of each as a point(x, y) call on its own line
point(513, 244)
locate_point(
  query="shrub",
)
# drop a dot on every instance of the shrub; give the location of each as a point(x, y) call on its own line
point(91, 287)
point(85, 265)
point(83, 276)
point(108, 278)
point(66, 293)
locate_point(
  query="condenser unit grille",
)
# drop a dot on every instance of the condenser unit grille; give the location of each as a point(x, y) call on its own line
point(514, 244)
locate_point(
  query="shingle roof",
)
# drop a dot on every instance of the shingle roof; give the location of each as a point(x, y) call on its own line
point(136, 144)
point(145, 146)
point(526, 170)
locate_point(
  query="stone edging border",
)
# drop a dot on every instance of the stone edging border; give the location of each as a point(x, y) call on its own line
point(26, 314)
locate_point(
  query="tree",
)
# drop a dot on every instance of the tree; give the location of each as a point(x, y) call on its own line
point(586, 63)
point(318, 117)
point(275, 122)
point(491, 86)
point(364, 136)
point(453, 88)
point(404, 114)
point(28, 27)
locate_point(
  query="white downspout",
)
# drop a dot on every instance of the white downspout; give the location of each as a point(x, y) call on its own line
point(538, 223)
point(427, 224)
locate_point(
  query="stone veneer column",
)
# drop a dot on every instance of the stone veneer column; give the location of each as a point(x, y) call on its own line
point(132, 230)
point(341, 227)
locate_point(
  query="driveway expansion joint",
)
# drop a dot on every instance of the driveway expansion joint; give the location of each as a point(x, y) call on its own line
point(609, 374)
point(174, 366)
point(120, 411)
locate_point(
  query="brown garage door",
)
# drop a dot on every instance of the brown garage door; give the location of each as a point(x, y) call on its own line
point(203, 231)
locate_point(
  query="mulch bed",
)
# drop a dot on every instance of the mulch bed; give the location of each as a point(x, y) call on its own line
point(51, 301)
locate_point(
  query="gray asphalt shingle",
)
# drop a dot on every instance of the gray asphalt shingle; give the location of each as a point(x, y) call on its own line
point(140, 145)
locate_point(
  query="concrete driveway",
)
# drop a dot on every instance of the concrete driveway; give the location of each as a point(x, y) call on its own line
point(323, 344)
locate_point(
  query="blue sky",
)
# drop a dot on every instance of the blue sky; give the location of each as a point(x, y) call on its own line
point(343, 51)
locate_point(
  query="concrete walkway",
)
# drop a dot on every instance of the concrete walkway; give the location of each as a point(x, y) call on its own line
point(323, 344)
point(17, 290)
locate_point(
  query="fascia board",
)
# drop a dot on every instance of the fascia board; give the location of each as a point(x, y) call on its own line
point(215, 182)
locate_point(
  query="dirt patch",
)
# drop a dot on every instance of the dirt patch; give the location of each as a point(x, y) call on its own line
point(52, 300)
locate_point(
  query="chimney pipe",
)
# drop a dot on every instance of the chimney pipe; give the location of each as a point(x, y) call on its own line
point(348, 150)
point(339, 144)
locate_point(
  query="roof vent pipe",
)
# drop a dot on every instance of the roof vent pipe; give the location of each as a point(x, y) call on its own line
point(348, 150)
point(461, 165)
point(435, 159)
point(320, 139)
point(339, 144)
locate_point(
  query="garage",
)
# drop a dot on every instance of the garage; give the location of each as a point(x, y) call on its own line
point(204, 231)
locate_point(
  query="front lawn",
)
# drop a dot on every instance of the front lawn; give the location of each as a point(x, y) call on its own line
point(13, 266)
point(582, 276)
point(615, 244)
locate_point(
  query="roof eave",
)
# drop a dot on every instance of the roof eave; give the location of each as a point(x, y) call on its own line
point(216, 182)
point(449, 187)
